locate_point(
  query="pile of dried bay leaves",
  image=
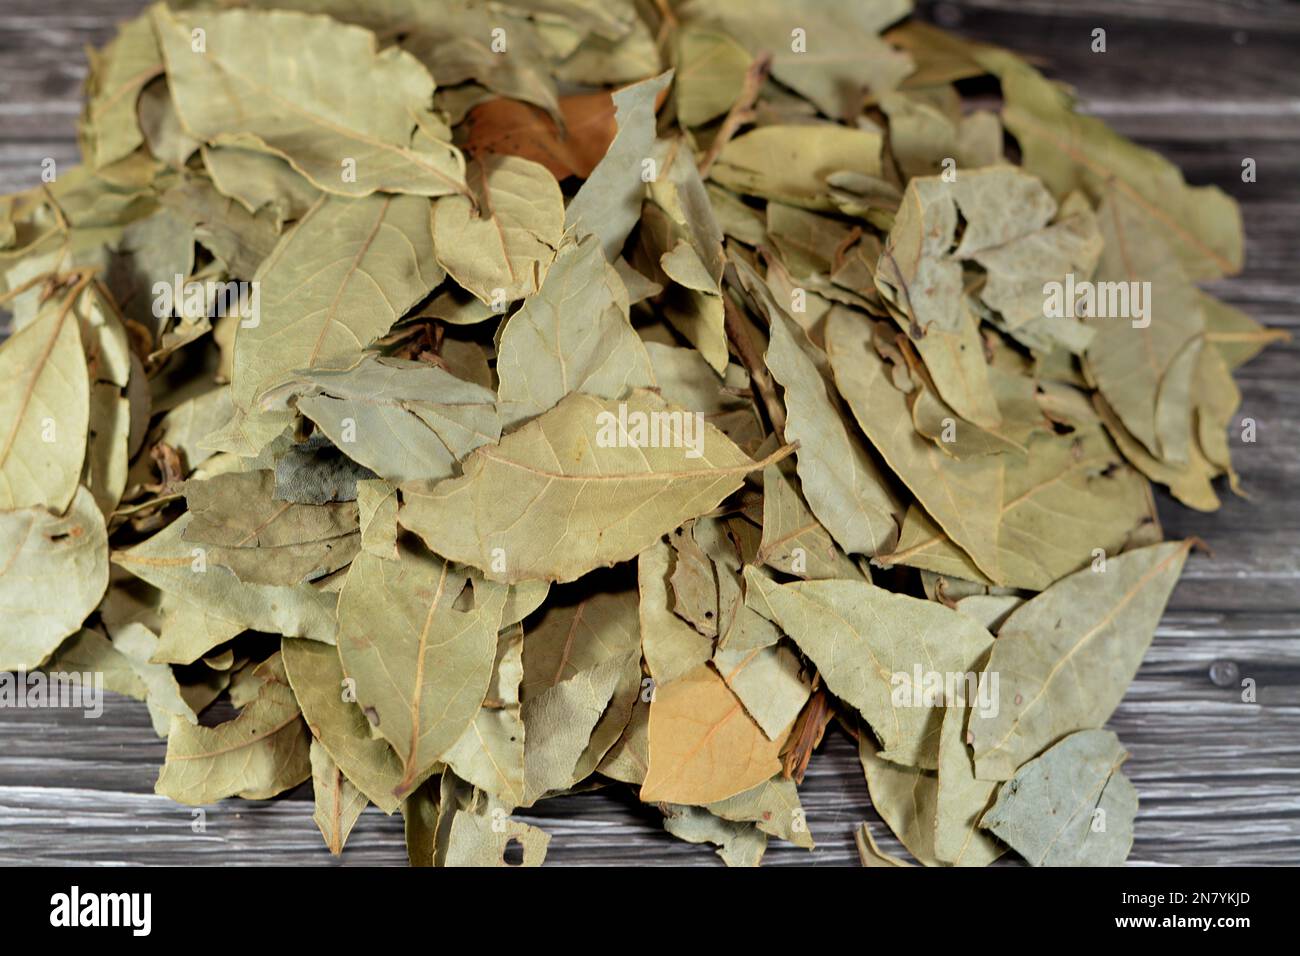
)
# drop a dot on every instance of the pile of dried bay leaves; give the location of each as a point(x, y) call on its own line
point(480, 402)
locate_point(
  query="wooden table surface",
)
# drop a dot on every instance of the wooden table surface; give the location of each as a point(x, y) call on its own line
point(1206, 82)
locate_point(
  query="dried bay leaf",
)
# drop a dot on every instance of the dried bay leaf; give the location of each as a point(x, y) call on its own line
point(843, 486)
point(262, 752)
point(629, 758)
point(691, 251)
point(1216, 402)
point(773, 806)
point(573, 336)
point(165, 696)
point(420, 818)
point(403, 420)
point(260, 182)
point(682, 377)
point(711, 69)
point(338, 803)
point(457, 44)
point(794, 541)
point(582, 675)
point(558, 722)
point(738, 843)
point(1021, 542)
point(490, 753)
point(956, 493)
point(872, 855)
point(266, 541)
point(89, 651)
point(990, 610)
point(961, 799)
point(769, 681)
point(609, 202)
point(1068, 151)
point(315, 471)
point(317, 112)
point(183, 570)
point(421, 665)
point(703, 746)
point(695, 586)
point(414, 415)
point(1071, 806)
point(1145, 371)
point(503, 251)
point(512, 128)
point(53, 573)
point(337, 280)
point(483, 839)
point(672, 647)
point(573, 636)
point(792, 164)
point(1190, 483)
point(844, 55)
point(1018, 272)
point(338, 724)
point(44, 409)
point(117, 76)
point(377, 507)
point(870, 645)
point(240, 239)
point(517, 499)
point(906, 799)
point(160, 125)
point(108, 436)
point(920, 271)
point(1237, 336)
point(1066, 657)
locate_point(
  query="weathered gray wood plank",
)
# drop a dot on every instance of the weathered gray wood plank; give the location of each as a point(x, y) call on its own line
point(1206, 82)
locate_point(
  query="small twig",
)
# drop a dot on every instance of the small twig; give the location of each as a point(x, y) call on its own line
point(141, 506)
point(753, 362)
point(668, 22)
point(44, 277)
point(59, 215)
point(741, 112)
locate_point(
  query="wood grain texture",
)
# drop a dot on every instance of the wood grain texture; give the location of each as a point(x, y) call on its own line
point(1206, 83)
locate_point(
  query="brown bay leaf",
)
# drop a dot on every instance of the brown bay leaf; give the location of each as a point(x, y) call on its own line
point(703, 746)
